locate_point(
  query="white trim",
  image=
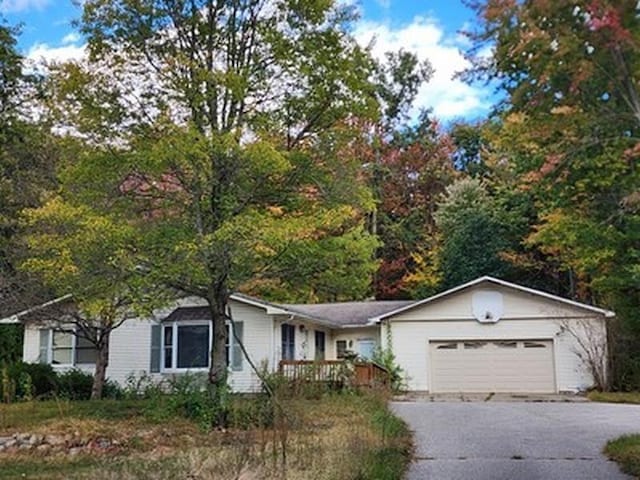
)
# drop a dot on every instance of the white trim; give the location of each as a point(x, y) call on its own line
point(256, 302)
point(606, 313)
point(174, 346)
point(74, 340)
point(175, 324)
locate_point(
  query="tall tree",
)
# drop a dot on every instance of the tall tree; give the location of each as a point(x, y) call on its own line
point(475, 231)
point(96, 260)
point(570, 71)
point(406, 168)
point(233, 156)
point(415, 168)
point(27, 158)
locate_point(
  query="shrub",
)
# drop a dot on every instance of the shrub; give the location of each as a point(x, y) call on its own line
point(143, 386)
point(28, 380)
point(386, 359)
point(190, 398)
point(112, 390)
point(183, 395)
point(75, 384)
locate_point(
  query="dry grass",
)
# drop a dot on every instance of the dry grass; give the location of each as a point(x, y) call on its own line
point(334, 437)
point(615, 397)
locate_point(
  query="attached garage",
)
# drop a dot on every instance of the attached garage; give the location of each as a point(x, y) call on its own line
point(494, 336)
point(492, 366)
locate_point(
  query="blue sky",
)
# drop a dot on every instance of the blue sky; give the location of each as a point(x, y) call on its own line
point(429, 28)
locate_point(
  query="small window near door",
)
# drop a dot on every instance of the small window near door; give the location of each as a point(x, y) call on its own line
point(366, 348)
point(506, 344)
point(288, 335)
point(534, 345)
point(320, 346)
point(341, 349)
point(448, 346)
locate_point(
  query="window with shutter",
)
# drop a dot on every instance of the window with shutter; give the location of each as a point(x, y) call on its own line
point(288, 339)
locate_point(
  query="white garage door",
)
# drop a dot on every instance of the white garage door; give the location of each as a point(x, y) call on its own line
point(492, 366)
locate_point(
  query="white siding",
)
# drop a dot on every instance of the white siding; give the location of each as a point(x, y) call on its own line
point(517, 304)
point(305, 341)
point(410, 345)
point(525, 317)
point(130, 347)
point(130, 350)
point(352, 335)
point(305, 338)
point(257, 339)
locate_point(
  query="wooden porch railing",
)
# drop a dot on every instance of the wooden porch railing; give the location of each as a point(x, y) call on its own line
point(337, 372)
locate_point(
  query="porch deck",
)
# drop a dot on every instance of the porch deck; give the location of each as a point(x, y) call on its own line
point(335, 372)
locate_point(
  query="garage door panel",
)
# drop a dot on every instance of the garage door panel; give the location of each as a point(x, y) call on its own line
point(492, 366)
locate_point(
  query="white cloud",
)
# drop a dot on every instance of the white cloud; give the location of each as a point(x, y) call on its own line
point(42, 53)
point(13, 6)
point(72, 37)
point(448, 97)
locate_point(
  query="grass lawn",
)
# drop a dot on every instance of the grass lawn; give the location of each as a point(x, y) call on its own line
point(348, 436)
point(615, 397)
point(626, 451)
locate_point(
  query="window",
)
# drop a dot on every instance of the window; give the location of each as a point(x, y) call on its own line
point(366, 348)
point(65, 348)
point(288, 334)
point(62, 348)
point(534, 345)
point(85, 351)
point(448, 346)
point(320, 345)
point(341, 349)
point(193, 346)
point(186, 345)
point(506, 344)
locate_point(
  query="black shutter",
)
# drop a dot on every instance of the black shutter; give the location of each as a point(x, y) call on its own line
point(156, 348)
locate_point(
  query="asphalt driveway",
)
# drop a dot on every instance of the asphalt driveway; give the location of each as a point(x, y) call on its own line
point(515, 440)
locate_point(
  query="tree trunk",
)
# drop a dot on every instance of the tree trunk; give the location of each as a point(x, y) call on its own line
point(218, 369)
point(102, 362)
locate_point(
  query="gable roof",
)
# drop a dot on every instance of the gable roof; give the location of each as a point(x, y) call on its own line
point(334, 315)
point(496, 281)
point(15, 318)
point(345, 314)
point(256, 302)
